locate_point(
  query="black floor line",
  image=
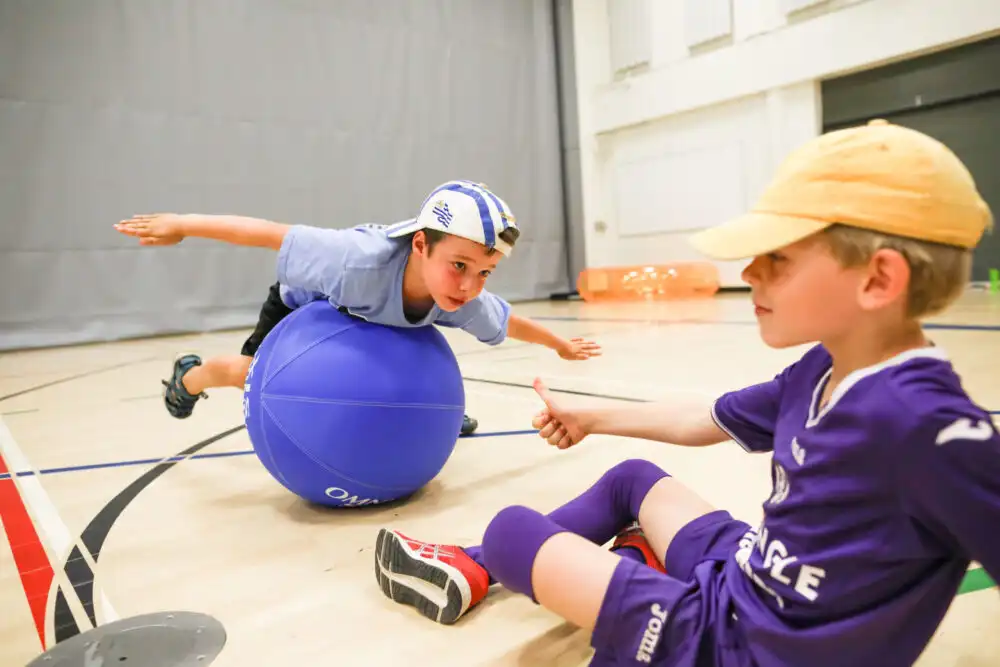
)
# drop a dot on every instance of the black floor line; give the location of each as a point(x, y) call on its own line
point(96, 371)
point(80, 576)
point(81, 579)
point(573, 392)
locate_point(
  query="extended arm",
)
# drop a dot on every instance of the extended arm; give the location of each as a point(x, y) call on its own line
point(530, 331)
point(524, 329)
point(309, 258)
point(747, 416)
point(682, 420)
point(235, 229)
point(169, 229)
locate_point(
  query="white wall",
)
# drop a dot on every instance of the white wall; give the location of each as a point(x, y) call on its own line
point(713, 94)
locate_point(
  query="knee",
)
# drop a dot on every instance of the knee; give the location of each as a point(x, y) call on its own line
point(510, 544)
point(628, 483)
point(504, 528)
point(633, 469)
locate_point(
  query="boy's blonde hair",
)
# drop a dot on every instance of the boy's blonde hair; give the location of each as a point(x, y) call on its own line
point(938, 273)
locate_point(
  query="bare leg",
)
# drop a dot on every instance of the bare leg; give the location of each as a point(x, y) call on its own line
point(228, 371)
point(668, 507)
point(570, 577)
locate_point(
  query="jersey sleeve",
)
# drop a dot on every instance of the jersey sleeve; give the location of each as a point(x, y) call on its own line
point(749, 415)
point(313, 259)
point(485, 317)
point(949, 479)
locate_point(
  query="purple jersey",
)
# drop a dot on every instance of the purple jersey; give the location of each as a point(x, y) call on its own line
point(880, 501)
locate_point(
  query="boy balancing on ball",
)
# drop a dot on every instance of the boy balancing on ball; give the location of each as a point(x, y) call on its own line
point(429, 270)
point(886, 474)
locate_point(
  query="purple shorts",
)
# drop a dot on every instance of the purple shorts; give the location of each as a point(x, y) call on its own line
point(678, 620)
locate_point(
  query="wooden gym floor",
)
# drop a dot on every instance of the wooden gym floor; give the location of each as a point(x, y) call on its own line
point(181, 516)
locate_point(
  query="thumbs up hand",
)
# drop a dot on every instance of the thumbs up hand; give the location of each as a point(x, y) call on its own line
point(557, 424)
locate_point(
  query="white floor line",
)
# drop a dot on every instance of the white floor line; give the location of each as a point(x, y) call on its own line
point(55, 535)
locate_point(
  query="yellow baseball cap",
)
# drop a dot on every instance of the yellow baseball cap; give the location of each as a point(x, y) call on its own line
point(878, 176)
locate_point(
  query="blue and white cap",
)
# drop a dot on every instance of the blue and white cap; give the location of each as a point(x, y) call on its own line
point(462, 208)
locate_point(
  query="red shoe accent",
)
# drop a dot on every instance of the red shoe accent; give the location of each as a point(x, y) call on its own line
point(450, 582)
point(634, 537)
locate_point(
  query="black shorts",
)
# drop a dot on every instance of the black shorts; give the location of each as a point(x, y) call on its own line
point(273, 311)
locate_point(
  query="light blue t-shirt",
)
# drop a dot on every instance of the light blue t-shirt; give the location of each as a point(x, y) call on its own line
point(361, 270)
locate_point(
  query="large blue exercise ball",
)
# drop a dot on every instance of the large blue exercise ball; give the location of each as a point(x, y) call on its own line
point(348, 413)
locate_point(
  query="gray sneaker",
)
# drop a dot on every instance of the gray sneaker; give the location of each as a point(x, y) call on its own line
point(178, 400)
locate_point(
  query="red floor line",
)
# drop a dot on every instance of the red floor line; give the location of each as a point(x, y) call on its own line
point(29, 554)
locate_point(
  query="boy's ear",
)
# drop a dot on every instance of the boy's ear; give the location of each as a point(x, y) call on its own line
point(887, 279)
point(419, 243)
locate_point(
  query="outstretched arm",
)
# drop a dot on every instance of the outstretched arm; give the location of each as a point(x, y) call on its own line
point(529, 331)
point(685, 420)
point(170, 229)
point(309, 258)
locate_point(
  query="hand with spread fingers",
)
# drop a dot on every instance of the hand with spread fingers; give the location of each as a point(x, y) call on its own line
point(578, 349)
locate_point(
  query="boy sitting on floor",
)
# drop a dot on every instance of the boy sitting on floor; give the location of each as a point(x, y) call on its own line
point(886, 474)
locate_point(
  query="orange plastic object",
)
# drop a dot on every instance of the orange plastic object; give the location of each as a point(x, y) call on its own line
point(649, 282)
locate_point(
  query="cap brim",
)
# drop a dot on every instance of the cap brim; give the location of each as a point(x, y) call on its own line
point(753, 234)
point(404, 228)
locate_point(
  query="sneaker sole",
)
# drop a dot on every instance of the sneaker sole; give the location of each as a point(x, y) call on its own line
point(394, 564)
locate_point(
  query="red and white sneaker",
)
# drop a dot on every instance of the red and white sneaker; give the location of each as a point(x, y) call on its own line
point(634, 537)
point(442, 582)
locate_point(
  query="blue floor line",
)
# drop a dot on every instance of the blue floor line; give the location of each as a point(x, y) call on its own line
point(212, 455)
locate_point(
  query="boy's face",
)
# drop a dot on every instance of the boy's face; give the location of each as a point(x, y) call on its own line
point(455, 270)
point(802, 294)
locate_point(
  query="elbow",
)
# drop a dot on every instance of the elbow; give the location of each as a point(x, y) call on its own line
point(276, 238)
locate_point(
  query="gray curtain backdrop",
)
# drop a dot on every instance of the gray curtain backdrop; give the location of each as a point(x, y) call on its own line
point(329, 113)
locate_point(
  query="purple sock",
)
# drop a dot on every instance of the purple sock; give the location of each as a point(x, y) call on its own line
point(612, 503)
point(598, 514)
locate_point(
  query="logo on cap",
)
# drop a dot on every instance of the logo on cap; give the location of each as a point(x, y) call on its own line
point(442, 212)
